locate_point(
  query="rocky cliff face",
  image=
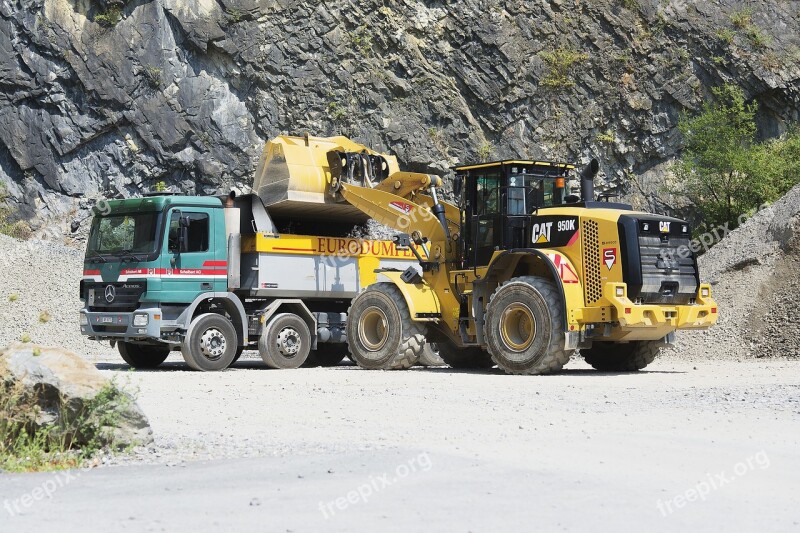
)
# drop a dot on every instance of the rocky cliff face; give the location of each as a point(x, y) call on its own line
point(107, 99)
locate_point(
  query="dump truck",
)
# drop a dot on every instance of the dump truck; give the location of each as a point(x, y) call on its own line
point(212, 276)
point(520, 274)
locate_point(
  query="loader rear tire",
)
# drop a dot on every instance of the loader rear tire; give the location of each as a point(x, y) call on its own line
point(464, 358)
point(524, 327)
point(380, 332)
point(430, 355)
point(143, 355)
point(327, 354)
point(621, 357)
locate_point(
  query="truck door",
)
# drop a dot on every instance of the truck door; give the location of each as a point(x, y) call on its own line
point(201, 267)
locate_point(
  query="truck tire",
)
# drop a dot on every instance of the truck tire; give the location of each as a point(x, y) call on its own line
point(380, 332)
point(143, 355)
point(430, 355)
point(524, 327)
point(621, 357)
point(239, 351)
point(464, 358)
point(327, 354)
point(210, 344)
point(285, 342)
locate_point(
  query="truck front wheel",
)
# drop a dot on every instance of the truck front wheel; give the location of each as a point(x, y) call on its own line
point(210, 344)
point(621, 357)
point(380, 332)
point(142, 355)
point(525, 327)
point(285, 342)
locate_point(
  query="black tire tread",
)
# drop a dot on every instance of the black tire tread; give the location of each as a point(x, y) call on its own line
point(618, 357)
point(556, 356)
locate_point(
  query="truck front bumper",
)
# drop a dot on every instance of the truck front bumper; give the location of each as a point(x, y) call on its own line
point(137, 325)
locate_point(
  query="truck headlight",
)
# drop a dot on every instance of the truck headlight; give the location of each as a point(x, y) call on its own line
point(84, 320)
point(705, 292)
point(140, 320)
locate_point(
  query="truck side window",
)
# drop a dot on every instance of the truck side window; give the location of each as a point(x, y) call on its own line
point(198, 232)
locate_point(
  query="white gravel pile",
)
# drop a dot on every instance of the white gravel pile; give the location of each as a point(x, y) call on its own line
point(755, 276)
point(39, 295)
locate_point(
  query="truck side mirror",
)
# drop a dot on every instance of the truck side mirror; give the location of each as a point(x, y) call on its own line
point(458, 185)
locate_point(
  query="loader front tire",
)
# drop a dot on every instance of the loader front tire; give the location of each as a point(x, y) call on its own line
point(621, 357)
point(524, 327)
point(380, 332)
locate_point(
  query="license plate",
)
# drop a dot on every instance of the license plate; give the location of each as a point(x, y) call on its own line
point(106, 320)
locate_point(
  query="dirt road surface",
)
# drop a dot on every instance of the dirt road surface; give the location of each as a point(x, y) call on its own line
point(706, 446)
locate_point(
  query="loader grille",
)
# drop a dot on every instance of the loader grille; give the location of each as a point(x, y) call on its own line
point(591, 262)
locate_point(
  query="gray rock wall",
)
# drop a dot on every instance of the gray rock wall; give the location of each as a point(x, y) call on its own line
point(187, 92)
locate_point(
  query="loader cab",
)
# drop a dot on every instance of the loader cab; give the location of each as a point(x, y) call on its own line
point(498, 201)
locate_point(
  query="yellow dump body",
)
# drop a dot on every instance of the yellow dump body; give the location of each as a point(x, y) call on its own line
point(294, 178)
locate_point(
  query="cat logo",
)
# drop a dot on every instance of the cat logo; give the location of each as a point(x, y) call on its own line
point(664, 226)
point(541, 233)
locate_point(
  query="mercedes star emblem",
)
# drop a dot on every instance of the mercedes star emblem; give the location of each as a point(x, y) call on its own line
point(110, 293)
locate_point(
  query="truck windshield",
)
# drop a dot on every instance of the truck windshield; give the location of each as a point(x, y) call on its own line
point(129, 233)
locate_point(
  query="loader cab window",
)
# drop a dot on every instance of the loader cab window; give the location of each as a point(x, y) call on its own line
point(198, 232)
point(500, 201)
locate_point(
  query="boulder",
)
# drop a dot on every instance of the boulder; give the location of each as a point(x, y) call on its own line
point(73, 397)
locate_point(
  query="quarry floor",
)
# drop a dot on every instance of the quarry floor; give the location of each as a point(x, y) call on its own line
point(706, 445)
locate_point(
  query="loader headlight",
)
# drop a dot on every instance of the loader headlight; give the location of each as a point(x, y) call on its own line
point(140, 320)
point(620, 292)
point(84, 320)
point(705, 292)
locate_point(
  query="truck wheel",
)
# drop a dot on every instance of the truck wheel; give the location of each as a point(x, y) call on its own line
point(380, 332)
point(327, 354)
point(524, 327)
point(143, 355)
point(464, 358)
point(430, 355)
point(239, 351)
point(621, 357)
point(210, 343)
point(285, 342)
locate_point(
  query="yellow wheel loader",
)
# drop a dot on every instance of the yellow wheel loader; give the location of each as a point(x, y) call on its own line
point(518, 274)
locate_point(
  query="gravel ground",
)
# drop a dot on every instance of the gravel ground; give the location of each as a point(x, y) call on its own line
point(580, 450)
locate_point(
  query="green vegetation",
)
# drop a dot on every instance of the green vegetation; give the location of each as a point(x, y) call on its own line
point(742, 18)
point(26, 446)
point(758, 38)
point(336, 112)
point(25, 337)
point(44, 317)
point(726, 35)
point(606, 137)
point(18, 229)
point(361, 40)
point(724, 172)
point(561, 62)
point(234, 15)
point(485, 151)
point(153, 75)
point(110, 18)
point(160, 186)
point(13, 297)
